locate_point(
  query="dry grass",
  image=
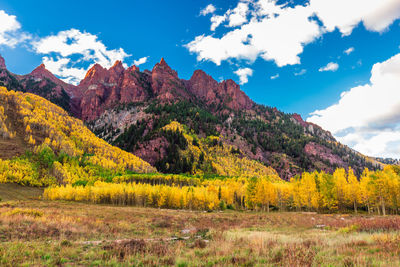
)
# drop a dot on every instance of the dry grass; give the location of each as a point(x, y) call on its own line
point(38, 233)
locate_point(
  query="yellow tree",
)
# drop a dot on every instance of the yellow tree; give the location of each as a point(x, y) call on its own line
point(339, 178)
point(265, 194)
point(366, 194)
point(326, 186)
point(353, 189)
point(308, 191)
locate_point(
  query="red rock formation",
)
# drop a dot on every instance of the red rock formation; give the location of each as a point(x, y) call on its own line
point(102, 89)
point(42, 73)
point(166, 84)
point(300, 120)
point(2, 63)
point(314, 149)
point(204, 86)
point(233, 97)
point(106, 88)
point(228, 92)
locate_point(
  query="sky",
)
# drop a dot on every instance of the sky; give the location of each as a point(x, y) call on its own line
point(335, 62)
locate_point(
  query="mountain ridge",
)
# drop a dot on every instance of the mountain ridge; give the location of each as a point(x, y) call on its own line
point(126, 105)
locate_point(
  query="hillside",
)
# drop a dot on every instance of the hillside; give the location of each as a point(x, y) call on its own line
point(129, 107)
point(48, 146)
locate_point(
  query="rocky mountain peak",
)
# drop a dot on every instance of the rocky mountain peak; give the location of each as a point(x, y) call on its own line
point(42, 73)
point(117, 67)
point(233, 96)
point(41, 70)
point(94, 75)
point(163, 67)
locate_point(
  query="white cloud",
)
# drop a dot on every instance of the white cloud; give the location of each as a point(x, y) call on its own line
point(276, 76)
point(244, 74)
point(349, 50)
point(210, 9)
point(10, 30)
point(216, 21)
point(279, 32)
point(63, 69)
point(376, 15)
point(300, 73)
point(367, 116)
point(238, 15)
point(73, 47)
point(140, 61)
point(332, 66)
point(278, 38)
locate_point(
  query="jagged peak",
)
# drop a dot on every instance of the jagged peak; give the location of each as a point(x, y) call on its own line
point(162, 62)
point(199, 73)
point(41, 70)
point(95, 68)
point(230, 82)
point(133, 68)
point(118, 65)
point(162, 66)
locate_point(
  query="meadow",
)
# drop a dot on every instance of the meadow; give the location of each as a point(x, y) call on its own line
point(37, 232)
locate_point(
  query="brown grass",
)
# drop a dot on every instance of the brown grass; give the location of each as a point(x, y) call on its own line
point(81, 234)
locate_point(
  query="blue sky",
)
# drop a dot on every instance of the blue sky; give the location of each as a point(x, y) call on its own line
point(283, 47)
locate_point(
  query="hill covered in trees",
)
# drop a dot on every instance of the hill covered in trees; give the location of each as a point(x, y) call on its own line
point(129, 108)
point(41, 145)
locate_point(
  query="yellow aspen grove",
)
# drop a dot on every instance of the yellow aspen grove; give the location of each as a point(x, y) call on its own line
point(366, 193)
point(353, 192)
point(283, 195)
point(339, 178)
point(309, 195)
point(265, 194)
point(376, 191)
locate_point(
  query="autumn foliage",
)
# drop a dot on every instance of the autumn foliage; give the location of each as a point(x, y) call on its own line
point(377, 192)
point(38, 125)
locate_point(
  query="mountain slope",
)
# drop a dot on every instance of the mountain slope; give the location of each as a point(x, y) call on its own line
point(209, 108)
point(31, 123)
point(40, 82)
point(128, 107)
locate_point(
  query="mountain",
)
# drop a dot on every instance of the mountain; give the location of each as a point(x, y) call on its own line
point(42, 143)
point(129, 108)
point(41, 82)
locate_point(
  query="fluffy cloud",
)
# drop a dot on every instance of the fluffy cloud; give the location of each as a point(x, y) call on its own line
point(376, 15)
point(244, 74)
point(62, 68)
point(276, 76)
point(83, 47)
point(279, 32)
point(208, 10)
point(349, 50)
point(140, 61)
point(332, 66)
point(216, 21)
point(367, 116)
point(300, 73)
point(238, 16)
point(10, 34)
point(262, 37)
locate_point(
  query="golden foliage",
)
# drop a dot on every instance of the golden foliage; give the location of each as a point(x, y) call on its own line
point(44, 120)
point(376, 191)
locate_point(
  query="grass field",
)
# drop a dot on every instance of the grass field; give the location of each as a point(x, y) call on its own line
point(34, 232)
point(17, 192)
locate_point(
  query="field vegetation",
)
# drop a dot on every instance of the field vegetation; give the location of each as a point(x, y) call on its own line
point(48, 233)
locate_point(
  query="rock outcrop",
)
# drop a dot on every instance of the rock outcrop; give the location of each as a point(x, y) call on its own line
point(102, 89)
